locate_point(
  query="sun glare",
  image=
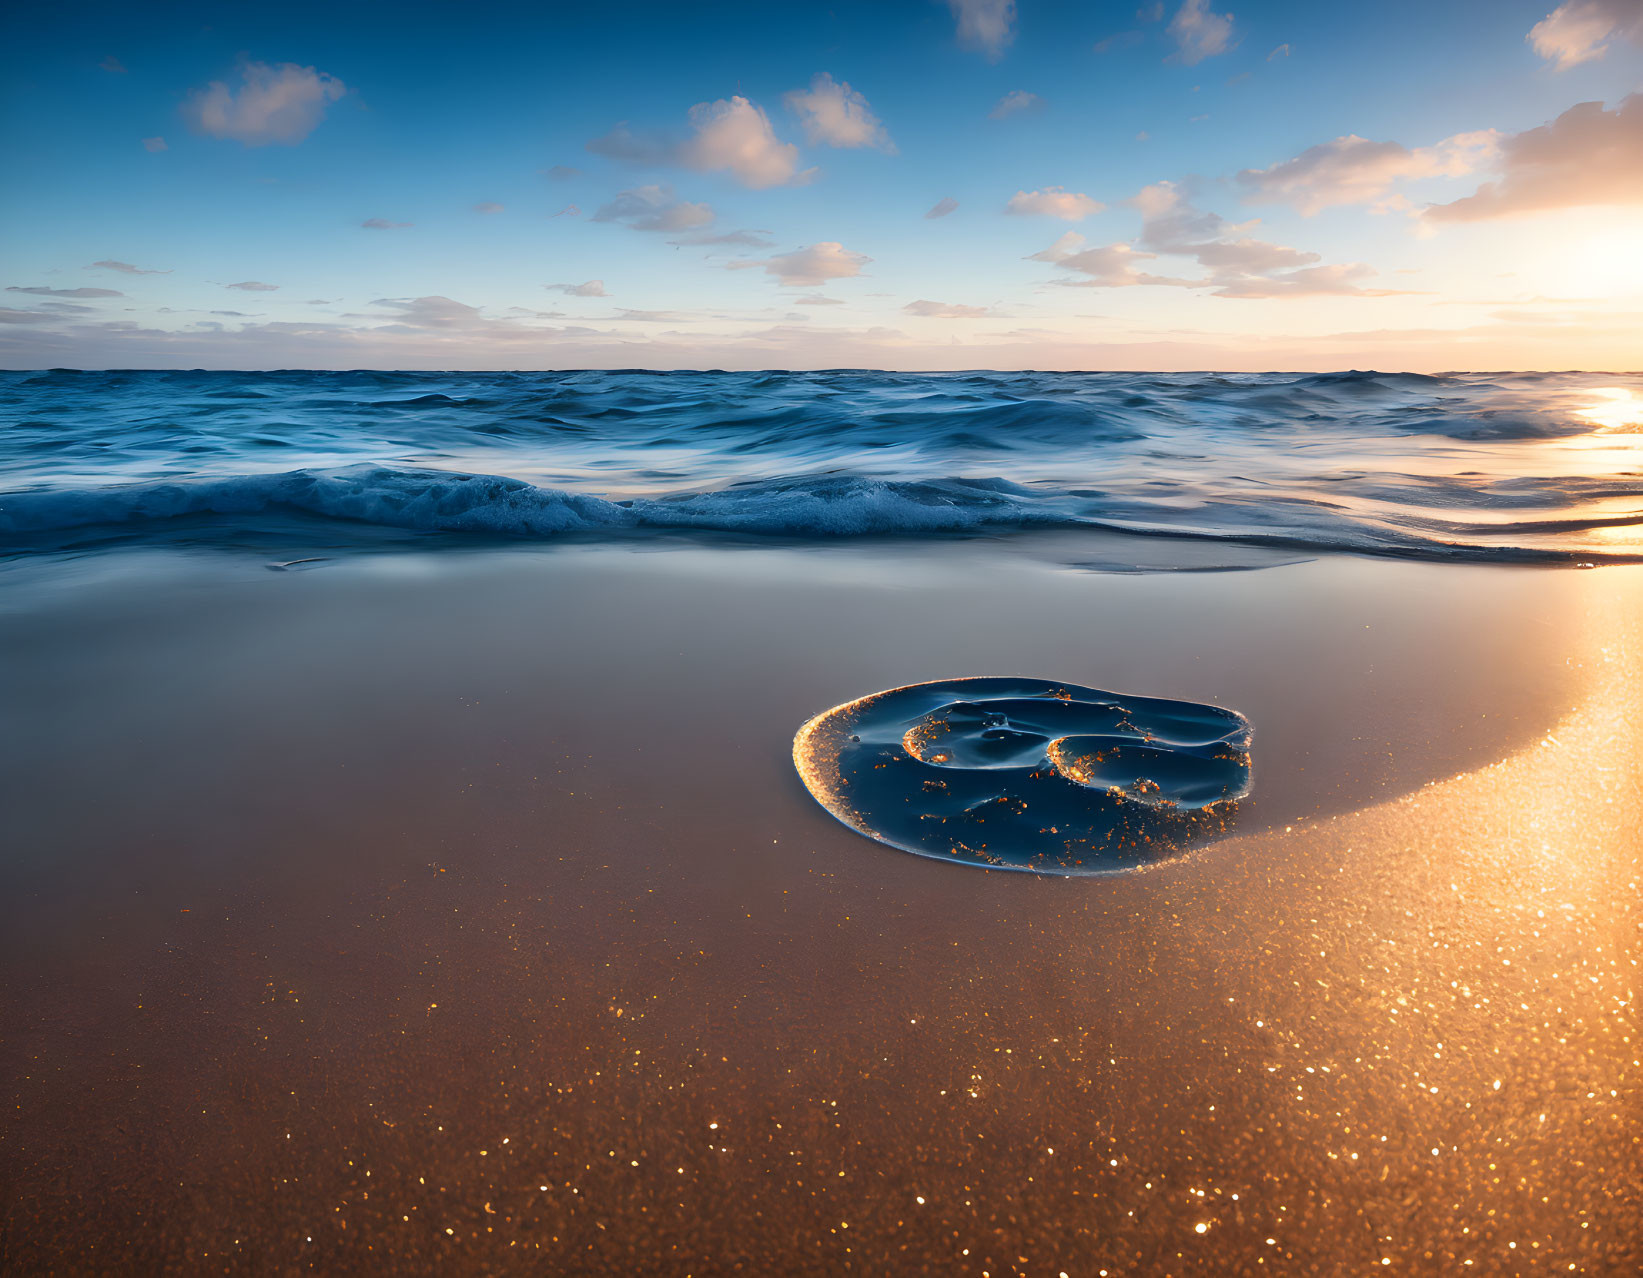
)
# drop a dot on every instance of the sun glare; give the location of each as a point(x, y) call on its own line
point(1600, 259)
point(1619, 409)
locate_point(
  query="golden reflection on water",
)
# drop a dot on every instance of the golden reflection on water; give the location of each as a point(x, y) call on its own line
point(1619, 409)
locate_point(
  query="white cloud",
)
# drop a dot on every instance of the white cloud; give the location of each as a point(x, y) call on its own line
point(43, 291)
point(561, 173)
point(1014, 102)
point(592, 288)
point(1053, 201)
point(653, 208)
point(112, 63)
point(253, 286)
point(125, 268)
point(435, 311)
point(1282, 51)
point(1581, 30)
point(1234, 264)
point(281, 104)
point(816, 299)
point(833, 114)
point(1105, 266)
point(987, 25)
point(1354, 170)
point(488, 206)
point(1199, 32)
point(735, 137)
point(947, 310)
point(727, 136)
point(383, 224)
point(1238, 265)
point(152, 145)
point(942, 207)
point(1307, 281)
point(1587, 156)
point(808, 267)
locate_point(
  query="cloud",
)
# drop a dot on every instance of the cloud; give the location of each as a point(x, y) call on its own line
point(112, 63)
point(1282, 51)
point(1108, 266)
point(435, 311)
point(816, 299)
point(833, 114)
point(622, 143)
point(942, 207)
point(653, 208)
point(1199, 32)
point(726, 239)
point(488, 206)
point(570, 210)
point(1581, 30)
point(727, 136)
point(1308, 281)
point(125, 268)
point(947, 310)
point(987, 25)
point(1238, 265)
point(253, 286)
point(1153, 12)
point(592, 288)
point(1119, 40)
point(1587, 156)
point(650, 317)
point(1354, 170)
point(282, 104)
point(808, 267)
point(735, 137)
point(1014, 103)
point(561, 173)
point(1053, 201)
point(1234, 264)
point(66, 292)
point(383, 224)
point(155, 144)
point(9, 315)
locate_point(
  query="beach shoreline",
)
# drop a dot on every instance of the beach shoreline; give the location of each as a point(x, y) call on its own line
point(432, 909)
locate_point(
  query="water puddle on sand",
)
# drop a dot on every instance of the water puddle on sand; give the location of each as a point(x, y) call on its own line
point(1025, 774)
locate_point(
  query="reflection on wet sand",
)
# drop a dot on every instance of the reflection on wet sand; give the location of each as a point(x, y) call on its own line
point(1402, 1039)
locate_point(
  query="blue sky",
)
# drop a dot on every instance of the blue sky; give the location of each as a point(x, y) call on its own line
point(1278, 185)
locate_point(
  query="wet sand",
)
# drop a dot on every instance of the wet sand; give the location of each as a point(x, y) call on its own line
point(462, 913)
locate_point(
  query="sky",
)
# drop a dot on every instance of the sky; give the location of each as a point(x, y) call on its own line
point(910, 184)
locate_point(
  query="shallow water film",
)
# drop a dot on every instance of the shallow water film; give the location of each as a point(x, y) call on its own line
point(1024, 774)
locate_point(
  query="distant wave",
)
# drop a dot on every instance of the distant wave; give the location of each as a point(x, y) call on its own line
point(1467, 467)
point(793, 507)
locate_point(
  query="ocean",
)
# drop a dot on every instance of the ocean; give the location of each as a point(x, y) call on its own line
point(1512, 467)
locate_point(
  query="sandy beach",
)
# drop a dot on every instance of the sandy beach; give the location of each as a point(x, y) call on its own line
point(415, 912)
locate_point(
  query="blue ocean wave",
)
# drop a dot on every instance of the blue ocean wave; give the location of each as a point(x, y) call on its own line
point(1500, 467)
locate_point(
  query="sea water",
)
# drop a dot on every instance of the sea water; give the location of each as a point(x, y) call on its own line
point(1517, 467)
